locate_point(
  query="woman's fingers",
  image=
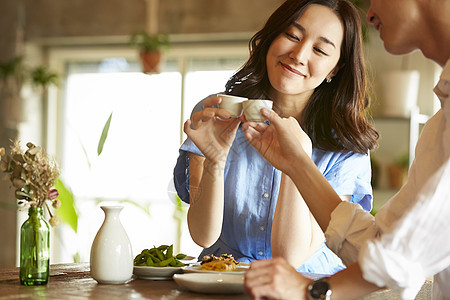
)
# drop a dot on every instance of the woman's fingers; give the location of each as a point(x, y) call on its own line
point(255, 132)
point(217, 112)
point(272, 116)
point(251, 135)
point(212, 104)
point(212, 101)
point(208, 114)
point(187, 127)
point(261, 127)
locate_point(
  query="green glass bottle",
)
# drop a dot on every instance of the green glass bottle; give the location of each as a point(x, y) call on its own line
point(34, 248)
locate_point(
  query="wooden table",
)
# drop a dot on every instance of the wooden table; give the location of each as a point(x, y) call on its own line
point(73, 281)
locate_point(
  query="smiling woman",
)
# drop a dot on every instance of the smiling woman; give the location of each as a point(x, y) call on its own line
point(308, 52)
point(242, 205)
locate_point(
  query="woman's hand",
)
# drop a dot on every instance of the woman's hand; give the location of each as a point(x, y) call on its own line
point(275, 279)
point(280, 142)
point(213, 130)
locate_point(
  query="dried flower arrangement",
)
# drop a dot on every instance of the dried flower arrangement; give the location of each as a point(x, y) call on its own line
point(32, 174)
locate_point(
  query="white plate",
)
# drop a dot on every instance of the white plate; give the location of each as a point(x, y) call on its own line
point(208, 283)
point(155, 273)
point(197, 268)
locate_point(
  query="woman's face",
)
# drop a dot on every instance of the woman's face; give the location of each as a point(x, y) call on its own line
point(301, 57)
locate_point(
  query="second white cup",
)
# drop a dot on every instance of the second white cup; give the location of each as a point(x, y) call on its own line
point(252, 109)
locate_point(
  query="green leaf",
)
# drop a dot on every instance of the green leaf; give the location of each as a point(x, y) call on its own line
point(149, 42)
point(67, 211)
point(13, 69)
point(42, 76)
point(104, 135)
point(145, 208)
point(76, 257)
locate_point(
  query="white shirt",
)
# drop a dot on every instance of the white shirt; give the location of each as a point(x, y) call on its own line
point(409, 239)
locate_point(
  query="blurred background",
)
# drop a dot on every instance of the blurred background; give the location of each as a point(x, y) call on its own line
point(94, 73)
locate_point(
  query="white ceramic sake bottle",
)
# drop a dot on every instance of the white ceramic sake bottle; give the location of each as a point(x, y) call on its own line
point(111, 256)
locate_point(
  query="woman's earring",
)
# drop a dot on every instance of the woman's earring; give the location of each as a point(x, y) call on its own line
point(329, 78)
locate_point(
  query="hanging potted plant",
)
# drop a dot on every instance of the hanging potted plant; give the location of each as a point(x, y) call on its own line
point(43, 77)
point(12, 77)
point(150, 48)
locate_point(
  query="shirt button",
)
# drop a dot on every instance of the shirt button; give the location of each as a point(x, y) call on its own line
point(261, 228)
point(260, 253)
point(266, 195)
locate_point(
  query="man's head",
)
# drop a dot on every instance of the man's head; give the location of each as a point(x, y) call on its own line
point(407, 25)
point(398, 22)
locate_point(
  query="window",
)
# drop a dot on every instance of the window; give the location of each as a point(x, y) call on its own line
point(136, 165)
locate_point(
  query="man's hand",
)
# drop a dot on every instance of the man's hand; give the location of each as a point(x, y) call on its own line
point(275, 279)
point(280, 142)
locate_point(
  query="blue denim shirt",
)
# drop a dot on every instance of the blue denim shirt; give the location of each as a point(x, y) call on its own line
point(251, 192)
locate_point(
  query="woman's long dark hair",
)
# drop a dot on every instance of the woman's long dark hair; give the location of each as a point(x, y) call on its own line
point(335, 116)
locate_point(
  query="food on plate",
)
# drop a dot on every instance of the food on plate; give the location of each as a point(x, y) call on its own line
point(161, 256)
point(222, 263)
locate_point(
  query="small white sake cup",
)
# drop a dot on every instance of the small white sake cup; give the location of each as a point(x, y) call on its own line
point(232, 104)
point(252, 109)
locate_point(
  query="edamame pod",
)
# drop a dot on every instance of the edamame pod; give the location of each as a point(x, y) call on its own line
point(139, 258)
point(154, 258)
point(159, 254)
point(163, 247)
point(165, 262)
point(180, 256)
point(150, 262)
point(173, 263)
point(169, 252)
point(179, 264)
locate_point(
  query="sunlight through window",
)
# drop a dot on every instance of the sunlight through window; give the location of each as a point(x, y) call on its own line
point(136, 165)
